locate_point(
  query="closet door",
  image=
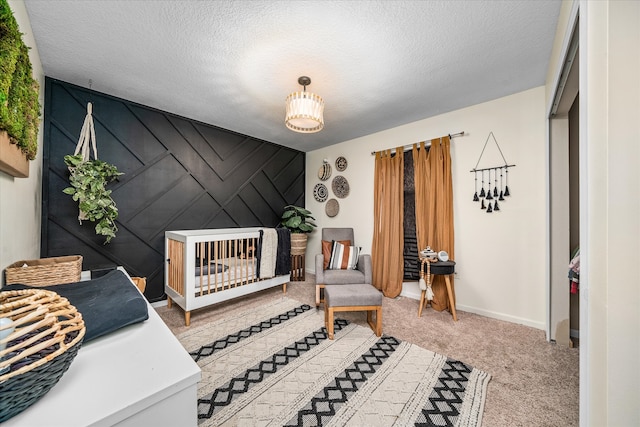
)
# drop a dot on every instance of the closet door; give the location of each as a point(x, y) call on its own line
point(561, 197)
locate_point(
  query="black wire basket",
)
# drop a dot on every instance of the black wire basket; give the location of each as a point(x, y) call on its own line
point(40, 341)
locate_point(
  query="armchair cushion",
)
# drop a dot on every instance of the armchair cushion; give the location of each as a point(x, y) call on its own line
point(326, 250)
point(343, 277)
point(343, 257)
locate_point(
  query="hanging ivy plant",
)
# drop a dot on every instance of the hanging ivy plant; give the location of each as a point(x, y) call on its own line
point(19, 104)
point(88, 187)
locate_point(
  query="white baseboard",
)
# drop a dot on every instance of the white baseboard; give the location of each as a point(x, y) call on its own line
point(159, 304)
point(502, 316)
point(412, 290)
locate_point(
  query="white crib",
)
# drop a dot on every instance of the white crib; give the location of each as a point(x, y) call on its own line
point(204, 267)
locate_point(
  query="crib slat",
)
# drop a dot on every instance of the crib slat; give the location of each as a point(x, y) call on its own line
point(255, 261)
point(209, 267)
point(235, 262)
point(244, 244)
point(215, 256)
point(246, 262)
point(229, 252)
point(247, 258)
point(199, 255)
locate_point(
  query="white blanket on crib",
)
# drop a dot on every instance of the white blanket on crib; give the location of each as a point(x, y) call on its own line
point(268, 253)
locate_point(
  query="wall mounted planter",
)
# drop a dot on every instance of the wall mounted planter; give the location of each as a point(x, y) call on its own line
point(12, 160)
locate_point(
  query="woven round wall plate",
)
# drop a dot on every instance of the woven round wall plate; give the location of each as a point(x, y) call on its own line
point(324, 172)
point(320, 192)
point(340, 186)
point(332, 208)
point(341, 164)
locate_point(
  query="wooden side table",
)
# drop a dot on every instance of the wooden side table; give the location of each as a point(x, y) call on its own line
point(443, 268)
point(297, 268)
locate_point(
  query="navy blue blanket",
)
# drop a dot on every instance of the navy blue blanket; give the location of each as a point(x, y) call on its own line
point(107, 303)
point(283, 256)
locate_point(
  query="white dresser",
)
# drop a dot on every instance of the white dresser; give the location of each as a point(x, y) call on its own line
point(137, 376)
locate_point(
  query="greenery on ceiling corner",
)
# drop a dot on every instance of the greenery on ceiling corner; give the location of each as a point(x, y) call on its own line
point(88, 187)
point(19, 104)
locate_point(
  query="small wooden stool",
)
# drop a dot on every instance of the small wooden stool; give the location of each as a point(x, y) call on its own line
point(362, 297)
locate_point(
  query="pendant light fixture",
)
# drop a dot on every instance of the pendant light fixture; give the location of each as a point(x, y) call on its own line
point(304, 109)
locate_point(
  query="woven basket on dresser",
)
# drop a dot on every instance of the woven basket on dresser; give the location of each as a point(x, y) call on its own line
point(47, 334)
point(45, 271)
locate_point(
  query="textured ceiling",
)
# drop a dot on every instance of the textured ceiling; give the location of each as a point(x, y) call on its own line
point(377, 64)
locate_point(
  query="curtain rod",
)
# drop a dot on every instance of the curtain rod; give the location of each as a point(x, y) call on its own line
point(409, 146)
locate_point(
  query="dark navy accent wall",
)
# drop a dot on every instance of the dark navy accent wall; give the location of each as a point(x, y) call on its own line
point(179, 174)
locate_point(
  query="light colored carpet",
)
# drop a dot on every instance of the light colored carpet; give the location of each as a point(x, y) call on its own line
point(532, 382)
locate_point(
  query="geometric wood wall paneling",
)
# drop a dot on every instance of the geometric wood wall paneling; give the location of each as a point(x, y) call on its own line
point(179, 174)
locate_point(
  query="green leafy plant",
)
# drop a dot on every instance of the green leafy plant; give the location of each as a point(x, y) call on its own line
point(88, 187)
point(19, 104)
point(297, 219)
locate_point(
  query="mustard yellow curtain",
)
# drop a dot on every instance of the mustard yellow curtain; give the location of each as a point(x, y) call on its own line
point(388, 235)
point(434, 206)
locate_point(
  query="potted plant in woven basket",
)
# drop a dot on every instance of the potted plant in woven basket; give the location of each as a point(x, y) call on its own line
point(297, 220)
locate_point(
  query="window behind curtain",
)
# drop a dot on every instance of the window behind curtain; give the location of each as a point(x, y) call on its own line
point(410, 253)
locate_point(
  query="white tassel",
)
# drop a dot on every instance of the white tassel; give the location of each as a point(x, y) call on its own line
point(429, 294)
point(86, 141)
point(423, 284)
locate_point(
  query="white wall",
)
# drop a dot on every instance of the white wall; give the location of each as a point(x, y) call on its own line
point(21, 198)
point(610, 212)
point(500, 256)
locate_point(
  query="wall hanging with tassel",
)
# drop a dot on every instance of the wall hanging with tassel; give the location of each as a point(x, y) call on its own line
point(492, 195)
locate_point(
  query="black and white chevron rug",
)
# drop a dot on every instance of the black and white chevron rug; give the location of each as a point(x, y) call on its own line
point(275, 366)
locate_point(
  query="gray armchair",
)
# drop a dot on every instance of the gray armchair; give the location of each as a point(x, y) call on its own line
point(340, 277)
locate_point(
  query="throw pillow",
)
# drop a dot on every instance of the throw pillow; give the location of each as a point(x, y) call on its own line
point(326, 250)
point(343, 257)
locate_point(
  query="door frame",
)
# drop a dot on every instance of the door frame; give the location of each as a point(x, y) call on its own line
point(575, 28)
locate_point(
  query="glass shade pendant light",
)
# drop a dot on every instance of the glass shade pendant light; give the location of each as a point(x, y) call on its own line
point(304, 110)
